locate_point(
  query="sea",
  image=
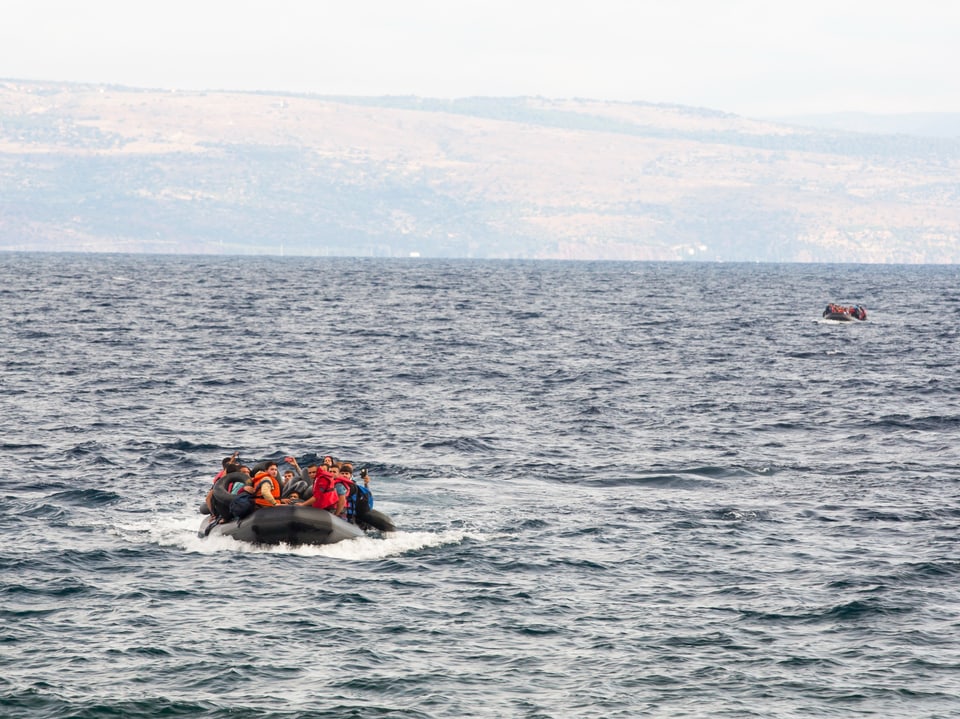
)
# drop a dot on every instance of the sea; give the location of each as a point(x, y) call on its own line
point(621, 489)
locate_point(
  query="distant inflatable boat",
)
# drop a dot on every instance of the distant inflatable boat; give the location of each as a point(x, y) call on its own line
point(295, 525)
point(840, 313)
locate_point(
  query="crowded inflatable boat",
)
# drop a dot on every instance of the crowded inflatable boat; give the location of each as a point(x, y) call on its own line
point(280, 502)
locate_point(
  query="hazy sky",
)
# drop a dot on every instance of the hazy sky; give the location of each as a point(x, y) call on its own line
point(752, 57)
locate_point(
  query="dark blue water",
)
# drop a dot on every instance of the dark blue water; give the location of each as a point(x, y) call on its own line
point(624, 490)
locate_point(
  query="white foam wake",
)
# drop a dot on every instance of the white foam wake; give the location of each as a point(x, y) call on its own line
point(181, 531)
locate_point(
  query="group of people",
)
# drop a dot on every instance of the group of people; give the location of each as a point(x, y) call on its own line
point(857, 311)
point(329, 485)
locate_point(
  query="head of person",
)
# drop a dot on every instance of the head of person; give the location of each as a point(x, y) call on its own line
point(346, 471)
point(232, 467)
point(245, 469)
point(328, 461)
point(272, 469)
point(288, 475)
point(312, 471)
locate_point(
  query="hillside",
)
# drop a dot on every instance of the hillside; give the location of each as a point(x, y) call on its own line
point(102, 168)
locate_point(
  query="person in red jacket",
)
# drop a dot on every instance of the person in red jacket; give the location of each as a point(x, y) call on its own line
point(327, 491)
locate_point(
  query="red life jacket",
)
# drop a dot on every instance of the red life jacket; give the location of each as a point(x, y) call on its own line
point(324, 492)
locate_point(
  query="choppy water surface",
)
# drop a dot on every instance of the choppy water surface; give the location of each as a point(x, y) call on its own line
point(624, 490)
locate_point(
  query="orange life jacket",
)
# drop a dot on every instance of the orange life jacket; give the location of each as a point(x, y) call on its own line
point(258, 481)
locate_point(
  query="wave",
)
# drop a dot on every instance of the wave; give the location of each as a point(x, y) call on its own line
point(851, 612)
point(461, 444)
point(679, 478)
point(931, 423)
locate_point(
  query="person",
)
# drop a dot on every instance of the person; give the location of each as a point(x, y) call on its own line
point(296, 482)
point(232, 459)
point(224, 463)
point(237, 478)
point(308, 476)
point(349, 507)
point(342, 485)
point(243, 489)
point(360, 500)
point(266, 487)
point(289, 485)
point(328, 493)
point(225, 490)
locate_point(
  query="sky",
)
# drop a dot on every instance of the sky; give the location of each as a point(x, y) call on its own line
point(756, 58)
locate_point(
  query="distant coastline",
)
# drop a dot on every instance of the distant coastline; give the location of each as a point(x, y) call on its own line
point(101, 168)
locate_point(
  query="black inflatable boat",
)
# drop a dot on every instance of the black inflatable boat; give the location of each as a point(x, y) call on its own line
point(294, 524)
point(284, 524)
